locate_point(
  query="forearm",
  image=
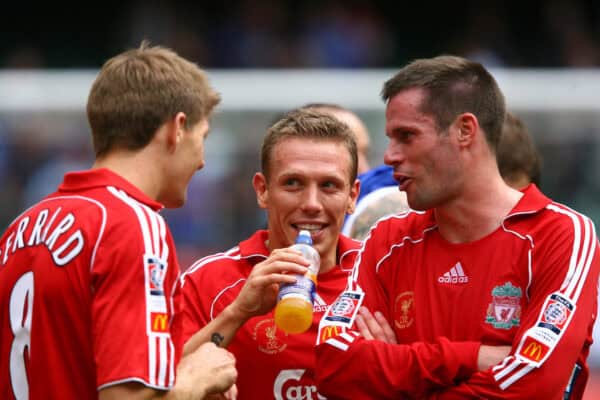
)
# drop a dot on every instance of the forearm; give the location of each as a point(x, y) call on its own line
point(226, 324)
point(137, 391)
point(372, 368)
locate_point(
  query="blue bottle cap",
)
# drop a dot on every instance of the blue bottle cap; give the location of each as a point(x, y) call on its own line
point(304, 238)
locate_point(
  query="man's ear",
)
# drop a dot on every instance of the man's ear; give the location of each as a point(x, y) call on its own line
point(176, 130)
point(467, 126)
point(354, 192)
point(259, 182)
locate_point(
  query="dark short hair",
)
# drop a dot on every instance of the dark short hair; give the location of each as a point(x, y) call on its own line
point(453, 85)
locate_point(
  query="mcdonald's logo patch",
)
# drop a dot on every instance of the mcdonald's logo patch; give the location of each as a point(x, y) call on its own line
point(328, 332)
point(534, 350)
point(159, 322)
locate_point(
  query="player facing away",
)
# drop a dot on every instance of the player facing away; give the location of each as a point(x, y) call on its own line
point(308, 181)
point(477, 261)
point(87, 275)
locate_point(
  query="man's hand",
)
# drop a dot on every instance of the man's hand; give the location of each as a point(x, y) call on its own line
point(231, 394)
point(374, 327)
point(257, 297)
point(208, 370)
point(259, 294)
point(491, 355)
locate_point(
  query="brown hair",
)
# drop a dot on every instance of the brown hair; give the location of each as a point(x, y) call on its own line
point(139, 90)
point(517, 154)
point(311, 124)
point(453, 85)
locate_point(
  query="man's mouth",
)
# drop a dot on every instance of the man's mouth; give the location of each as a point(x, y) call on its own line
point(312, 228)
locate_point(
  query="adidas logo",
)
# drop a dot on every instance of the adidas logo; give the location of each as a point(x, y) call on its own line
point(455, 275)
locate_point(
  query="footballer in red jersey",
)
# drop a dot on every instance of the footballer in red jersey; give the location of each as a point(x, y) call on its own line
point(65, 295)
point(478, 261)
point(308, 182)
point(271, 363)
point(87, 275)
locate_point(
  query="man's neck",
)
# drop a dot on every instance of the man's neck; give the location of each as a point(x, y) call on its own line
point(135, 168)
point(477, 213)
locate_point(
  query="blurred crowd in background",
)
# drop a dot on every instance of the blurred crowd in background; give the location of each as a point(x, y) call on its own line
point(36, 149)
point(310, 33)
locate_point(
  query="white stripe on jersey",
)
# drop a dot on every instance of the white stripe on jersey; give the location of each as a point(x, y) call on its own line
point(171, 364)
point(531, 246)
point(576, 243)
point(590, 251)
point(162, 372)
point(231, 254)
point(152, 360)
point(516, 376)
point(337, 344)
point(343, 340)
point(135, 206)
point(502, 364)
point(212, 305)
point(153, 230)
point(584, 247)
point(347, 336)
point(508, 365)
point(162, 231)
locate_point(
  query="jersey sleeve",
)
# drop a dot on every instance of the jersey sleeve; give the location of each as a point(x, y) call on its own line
point(195, 306)
point(207, 288)
point(349, 366)
point(133, 274)
point(548, 354)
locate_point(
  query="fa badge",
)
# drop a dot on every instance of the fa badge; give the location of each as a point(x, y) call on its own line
point(156, 270)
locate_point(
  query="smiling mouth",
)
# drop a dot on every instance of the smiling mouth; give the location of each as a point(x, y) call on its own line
point(312, 228)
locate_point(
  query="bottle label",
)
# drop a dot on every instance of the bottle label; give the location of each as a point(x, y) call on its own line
point(304, 288)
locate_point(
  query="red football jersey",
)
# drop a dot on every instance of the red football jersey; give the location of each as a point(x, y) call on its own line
point(271, 364)
point(86, 277)
point(532, 284)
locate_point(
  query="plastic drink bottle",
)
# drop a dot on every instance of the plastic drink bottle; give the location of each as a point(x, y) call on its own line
point(294, 309)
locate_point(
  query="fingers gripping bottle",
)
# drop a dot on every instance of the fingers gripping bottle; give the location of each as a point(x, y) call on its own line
point(294, 309)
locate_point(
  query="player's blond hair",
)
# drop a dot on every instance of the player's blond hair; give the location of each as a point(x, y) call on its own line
point(139, 90)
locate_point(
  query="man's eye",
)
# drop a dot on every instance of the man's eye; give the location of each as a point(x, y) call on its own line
point(405, 135)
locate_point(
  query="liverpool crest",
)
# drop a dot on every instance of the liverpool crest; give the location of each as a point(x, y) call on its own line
point(504, 311)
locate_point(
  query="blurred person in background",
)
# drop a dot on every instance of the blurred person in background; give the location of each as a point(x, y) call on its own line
point(379, 197)
point(87, 273)
point(357, 127)
point(308, 181)
point(518, 159)
point(531, 264)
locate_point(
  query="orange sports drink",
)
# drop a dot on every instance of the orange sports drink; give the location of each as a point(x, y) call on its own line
point(294, 309)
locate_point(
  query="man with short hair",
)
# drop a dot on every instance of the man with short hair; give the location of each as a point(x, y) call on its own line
point(87, 274)
point(476, 262)
point(308, 182)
